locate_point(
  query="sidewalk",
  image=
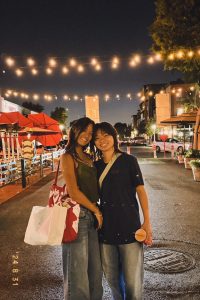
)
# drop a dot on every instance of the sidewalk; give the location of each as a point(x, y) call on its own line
point(10, 190)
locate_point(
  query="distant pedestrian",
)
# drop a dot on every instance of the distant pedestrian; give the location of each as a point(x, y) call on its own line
point(81, 258)
point(122, 255)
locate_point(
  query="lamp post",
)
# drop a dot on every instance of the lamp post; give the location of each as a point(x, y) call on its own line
point(154, 140)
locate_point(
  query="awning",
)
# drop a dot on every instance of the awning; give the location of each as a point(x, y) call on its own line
point(186, 118)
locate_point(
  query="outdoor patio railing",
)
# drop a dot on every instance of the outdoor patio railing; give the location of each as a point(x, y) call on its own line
point(21, 170)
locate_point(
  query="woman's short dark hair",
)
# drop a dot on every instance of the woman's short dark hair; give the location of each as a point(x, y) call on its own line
point(105, 127)
point(78, 126)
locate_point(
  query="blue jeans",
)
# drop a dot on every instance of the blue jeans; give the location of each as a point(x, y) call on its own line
point(81, 262)
point(123, 269)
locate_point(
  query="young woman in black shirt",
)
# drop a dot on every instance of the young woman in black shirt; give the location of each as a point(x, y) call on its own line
point(122, 255)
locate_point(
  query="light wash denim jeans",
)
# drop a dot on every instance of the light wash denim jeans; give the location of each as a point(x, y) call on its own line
point(123, 269)
point(81, 263)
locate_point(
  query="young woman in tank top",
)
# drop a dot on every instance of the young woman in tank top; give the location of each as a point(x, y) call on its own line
point(81, 258)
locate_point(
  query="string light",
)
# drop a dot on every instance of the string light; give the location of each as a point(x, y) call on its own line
point(30, 62)
point(190, 54)
point(150, 60)
point(49, 71)
point(94, 61)
point(65, 70)
point(107, 97)
point(10, 61)
point(80, 68)
point(49, 97)
point(158, 57)
point(134, 61)
point(52, 62)
point(98, 67)
point(72, 62)
point(19, 72)
point(34, 71)
point(171, 56)
point(115, 62)
point(66, 97)
point(180, 54)
point(36, 97)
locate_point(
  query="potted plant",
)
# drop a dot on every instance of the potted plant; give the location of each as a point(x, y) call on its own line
point(195, 164)
point(191, 154)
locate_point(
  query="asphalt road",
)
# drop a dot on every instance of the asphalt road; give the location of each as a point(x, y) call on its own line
point(172, 265)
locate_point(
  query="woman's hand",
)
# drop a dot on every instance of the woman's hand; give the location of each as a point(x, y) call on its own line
point(147, 227)
point(99, 218)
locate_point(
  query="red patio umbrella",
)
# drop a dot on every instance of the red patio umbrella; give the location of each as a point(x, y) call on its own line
point(44, 136)
point(4, 120)
point(17, 118)
point(44, 121)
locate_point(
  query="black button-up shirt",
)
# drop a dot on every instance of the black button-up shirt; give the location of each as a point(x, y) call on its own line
point(118, 202)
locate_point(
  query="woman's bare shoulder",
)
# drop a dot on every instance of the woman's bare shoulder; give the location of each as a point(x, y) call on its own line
point(66, 158)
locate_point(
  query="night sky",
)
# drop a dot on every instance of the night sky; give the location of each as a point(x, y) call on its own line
point(81, 29)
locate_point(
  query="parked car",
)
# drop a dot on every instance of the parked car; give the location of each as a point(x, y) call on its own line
point(139, 140)
point(178, 146)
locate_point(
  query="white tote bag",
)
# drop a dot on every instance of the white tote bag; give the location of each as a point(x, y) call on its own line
point(46, 225)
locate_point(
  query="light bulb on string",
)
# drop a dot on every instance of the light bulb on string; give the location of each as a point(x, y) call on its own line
point(128, 96)
point(49, 71)
point(180, 54)
point(15, 94)
point(65, 70)
point(190, 54)
point(98, 67)
point(158, 57)
point(36, 97)
point(115, 62)
point(75, 97)
point(30, 62)
point(52, 62)
point(10, 61)
point(150, 93)
point(94, 61)
point(66, 97)
point(72, 62)
point(150, 60)
point(34, 71)
point(139, 94)
point(107, 97)
point(132, 63)
point(19, 72)
point(171, 56)
point(80, 68)
point(118, 97)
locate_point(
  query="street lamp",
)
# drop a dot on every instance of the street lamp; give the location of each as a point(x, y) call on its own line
point(153, 126)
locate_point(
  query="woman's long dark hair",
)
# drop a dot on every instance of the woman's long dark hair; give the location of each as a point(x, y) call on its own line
point(78, 126)
point(105, 127)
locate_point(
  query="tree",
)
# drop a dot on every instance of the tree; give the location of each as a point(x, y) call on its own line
point(142, 127)
point(122, 129)
point(60, 114)
point(33, 106)
point(177, 26)
point(191, 101)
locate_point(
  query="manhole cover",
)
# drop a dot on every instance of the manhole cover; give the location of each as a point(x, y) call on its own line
point(167, 261)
